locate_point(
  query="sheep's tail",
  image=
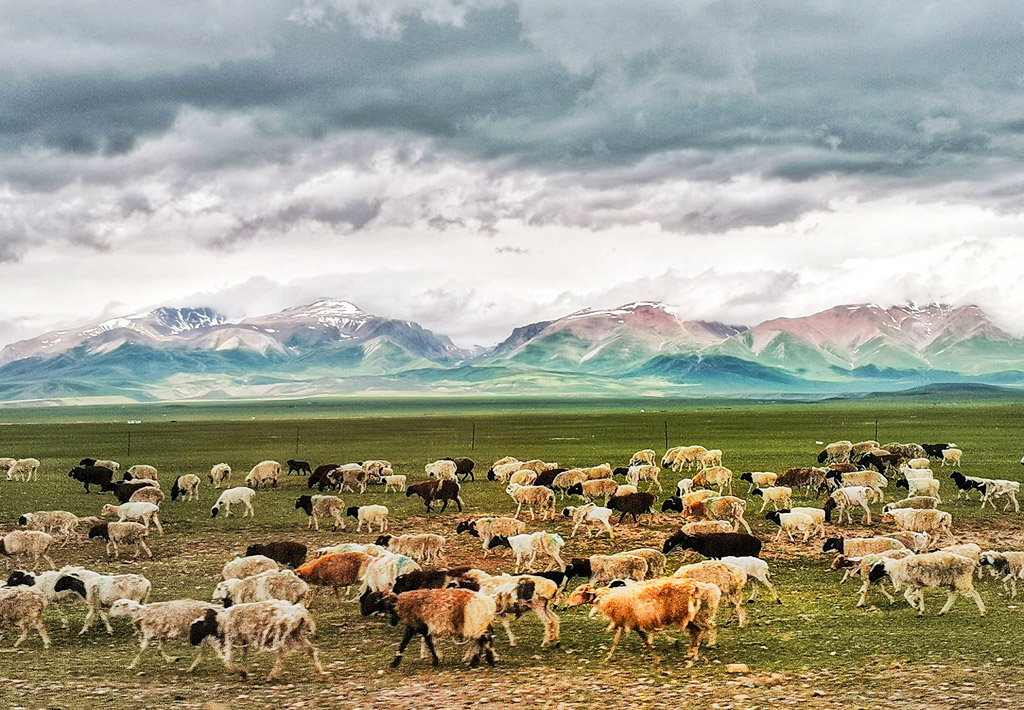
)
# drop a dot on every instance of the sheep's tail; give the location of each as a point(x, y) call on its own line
point(479, 616)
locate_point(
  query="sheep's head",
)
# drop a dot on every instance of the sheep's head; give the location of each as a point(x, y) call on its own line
point(775, 516)
point(352, 511)
point(383, 540)
point(833, 543)
point(584, 594)
point(498, 541)
point(305, 503)
point(100, 530)
point(575, 490)
point(757, 492)
point(109, 510)
point(124, 607)
point(468, 526)
point(677, 539)
point(748, 477)
point(672, 505)
point(21, 578)
point(23, 520)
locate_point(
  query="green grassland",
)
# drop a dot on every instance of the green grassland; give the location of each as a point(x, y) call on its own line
point(816, 631)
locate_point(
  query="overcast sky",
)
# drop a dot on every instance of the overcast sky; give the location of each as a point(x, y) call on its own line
point(476, 165)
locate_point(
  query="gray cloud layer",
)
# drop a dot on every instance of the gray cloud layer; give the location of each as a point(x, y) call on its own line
point(228, 127)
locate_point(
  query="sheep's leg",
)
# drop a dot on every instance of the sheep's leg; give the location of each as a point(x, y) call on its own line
point(973, 594)
point(159, 527)
point(862, 597)
point(87, 624)
point(953, 594)
point(552, 626)
point(741, 520)
point(145, 548)
point(198, 658)
point(741, 612)
point(25, 627)
point(105, 617)
point(649, 644)
point(615, 645)
point(275, 672)
point(508, 630)
point(436, 660)
point(518, 509)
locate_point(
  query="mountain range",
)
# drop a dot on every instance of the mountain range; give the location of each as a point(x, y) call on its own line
point(646, 348)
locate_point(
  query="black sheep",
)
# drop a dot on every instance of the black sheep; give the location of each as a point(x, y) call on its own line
point(87, 462)
point(934, 451)
point(285, 552)
point(463, 467)
point(880, 462)
point(715, 545)
point(633, 504)
point(434, 579)
point(122, 489)
point(546, 478)
point(298, 467)
point(672, 505)
point(91, 475)
point(321, 477)
point(435, 490)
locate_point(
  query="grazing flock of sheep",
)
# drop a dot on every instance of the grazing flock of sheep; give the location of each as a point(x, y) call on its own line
point(262, 601)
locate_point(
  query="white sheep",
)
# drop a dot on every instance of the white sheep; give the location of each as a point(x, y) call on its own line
point(122, 534)
point(162, 622)
point(43, 582)
point(274, 626)
point(60, 524)
point(30, 543)
point(646, 456)
point(533, 496)
point(589, 513)
point(793, 522)
point(143, 471)
point(24, 470)
point(25, 608)
point(952, 456)
point(531, 545)
point(624, 489)
point(264, 473)
point(219, 474)
point(370, 515)
point(242, 567)
point(1008, 566)
point(186, 485)
point(756, 570)
point(683, 487)
point(936, 523)
point(919, 463)
point(395, 482)
point(923, 487)
point(144, 513)
point(523, 477)
point(240, 495)
point(422, 547)
point(322, 507)
point(779, 496)
point(267, 585)
point(511, 588)
point(648, 473)
point(442, 469)
point(916, 573)
point(918, 502)
point(101, 591)
point(847, 498)
point(488, 528)
point(996, 488)
point(756, 479)
point(384, 569)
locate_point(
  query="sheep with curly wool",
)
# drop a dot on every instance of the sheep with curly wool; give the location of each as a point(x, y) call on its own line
point(274, 626)
point(33, 544)
point(24, 608)
point(24, 470)
point(597, 488)
point(759, 479)
point(100, 591)
point(915, 502)
point(127, 533)
point(703, 527)
point(219, 474)
point(443, 469)
point(272, 584)
point(1007, 566)
point(646, 608)
point(539, 497)
point(265, 473)
point(846, 499)
point(187, 485)
point(930, 570)
point(242, 567)
point(645, 472)
point(936, 523)
point(342, 569)
point(162, 622)
point(425, 548)
point(487, 528)
point(730, 579)
point(716, 476)
point(602, 569)
point(538, 593)
point(322, 507)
